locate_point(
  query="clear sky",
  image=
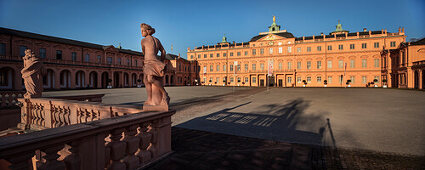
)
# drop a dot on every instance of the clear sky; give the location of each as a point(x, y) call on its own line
point(185, 23)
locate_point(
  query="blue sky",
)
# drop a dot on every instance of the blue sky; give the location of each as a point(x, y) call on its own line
point(184, 23)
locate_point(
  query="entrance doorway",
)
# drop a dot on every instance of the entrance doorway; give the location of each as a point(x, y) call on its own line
point(261, 82)
point(280, 83)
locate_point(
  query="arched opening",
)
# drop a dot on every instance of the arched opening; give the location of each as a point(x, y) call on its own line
point(93, 79)
point(126, 80)
point(141, 79)
point(133, 80)
point(423, 79)
point(172, 80)
point(80, 79)
point(105, 78)
point(116, 79)
point(416, 80)
point(6, 78)
point(166, 80)
point(49, 79)
point(65, 79)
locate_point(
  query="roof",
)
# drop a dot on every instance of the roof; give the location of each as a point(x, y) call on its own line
point(419, 42)
point(171, 56)
point(60, 40)
point(282, 34)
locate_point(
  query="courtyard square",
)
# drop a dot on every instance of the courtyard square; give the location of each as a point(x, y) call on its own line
point(381, 120)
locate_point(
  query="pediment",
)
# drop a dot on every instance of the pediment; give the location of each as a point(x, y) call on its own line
point(271, 37)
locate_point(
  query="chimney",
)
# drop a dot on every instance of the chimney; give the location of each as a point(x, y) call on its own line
point(399, 29)
point(402, 30)
point(364, 30)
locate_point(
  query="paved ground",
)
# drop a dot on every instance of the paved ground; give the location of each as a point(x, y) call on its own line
point(381, 120)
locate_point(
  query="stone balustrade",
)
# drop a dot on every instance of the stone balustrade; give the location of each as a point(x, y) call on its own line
point(9, 99)
point(118, 143)
point(42, 113)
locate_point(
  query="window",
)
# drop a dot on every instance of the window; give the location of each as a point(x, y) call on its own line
point(298, 79)
point(205, 69)
point(329, 79)
point(199, 55)
point(353, 79)
point(364, 45)
point(376, 45)
point(319, 79)
point(109, 60)
point(231, 54)
point(191, 56)
point(271, 50)
point(364, 63)
point(205, 80)
point(58, 54)
point(329, 64)
point(217, 79)
point(218, 67)
point(254, 67)
point(340, 64)
point(340, 47)
point(211, 55)
point(364, 79)
point(289, 65)
point(254, 51)
point(239, 79)
point(329, 47)
point(289, 49)
point(205, 55)
point(262, 51)
point(392, 43)
point(246, 53)
point(136, 64)
point(309, 79)
point(224, 67)
point(22, 50)
point(299, 65)
point(128, 61)
point(254, 80)
point(2, 49)
point(119, 61)
point(352, 46)
point(42, 53)
point(377, 78)
point(74, 56)
point(280, 66)
point(298, 49)
point(218, 54)
point(262, 66)
point(308, 64)
point(246, 67)
point(319, 48)
point(319, 64)
point(238, 67)
point(99, 59)
point(308, 49)
point(352, 64)
point(246, 80)
point(224, 54)
point(289, 79)
point(376, 62)
point(87, 59)
point(238, 53)
point(280, 50)
point(231, 67)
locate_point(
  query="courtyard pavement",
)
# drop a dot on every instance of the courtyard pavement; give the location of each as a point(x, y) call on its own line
point(381, 120)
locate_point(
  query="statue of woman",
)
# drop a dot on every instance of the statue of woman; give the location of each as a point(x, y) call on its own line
point(153, 69)
point(31, 73)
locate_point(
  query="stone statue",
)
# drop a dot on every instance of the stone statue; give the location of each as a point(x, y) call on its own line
point(153, 70)
point(31, 73)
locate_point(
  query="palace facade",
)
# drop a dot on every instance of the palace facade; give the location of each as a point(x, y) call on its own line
point(70, 64)
point(278, 58)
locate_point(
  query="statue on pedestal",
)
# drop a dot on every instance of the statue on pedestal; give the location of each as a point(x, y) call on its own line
point(31, 73)
point(153, 71)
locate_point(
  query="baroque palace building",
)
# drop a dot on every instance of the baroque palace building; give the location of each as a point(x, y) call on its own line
point(278, 58)
point(70, 64)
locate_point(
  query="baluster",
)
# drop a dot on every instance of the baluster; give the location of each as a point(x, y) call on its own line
point(145, 141)
point(132, 161)
point(117, 149)
point(21, 161)
point(51, 158)
point(73, 161)
point(152, 130)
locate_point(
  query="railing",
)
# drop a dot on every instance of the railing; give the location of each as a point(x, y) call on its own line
point(88, 98)
point(9, 99)
point(126, 142)
point(43, 113)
